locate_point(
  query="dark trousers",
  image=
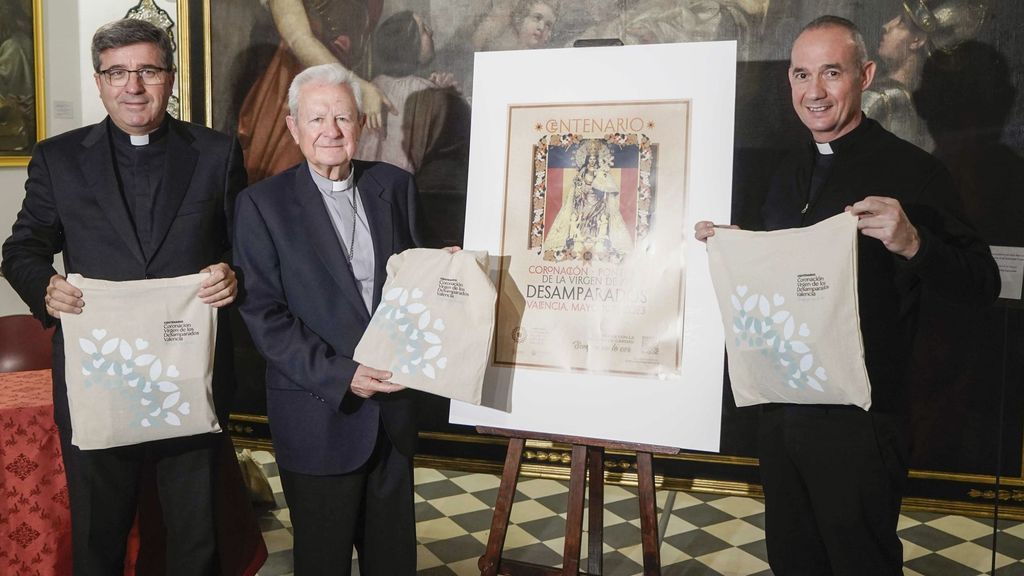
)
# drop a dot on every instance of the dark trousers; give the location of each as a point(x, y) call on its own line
point(370, 509)
point(103, 490)
point(833, 480)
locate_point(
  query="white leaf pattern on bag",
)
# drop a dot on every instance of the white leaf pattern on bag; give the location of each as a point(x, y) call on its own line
point(171, 400)
point(755, 324)
point(400, 310)
point(156, 369)
point(109, 346)
point(749, 304)
point(87, 346)
point(110, 365)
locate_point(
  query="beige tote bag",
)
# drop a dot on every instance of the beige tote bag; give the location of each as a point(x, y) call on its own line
point(139, 361)
point(434, 324)
point(788, 301)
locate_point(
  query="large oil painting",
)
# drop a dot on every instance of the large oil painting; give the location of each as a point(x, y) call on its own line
point(21, 80)
point(950, 72)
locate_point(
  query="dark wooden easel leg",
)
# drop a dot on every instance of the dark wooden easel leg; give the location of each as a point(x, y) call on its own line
point(587, 459)
point(491, 559)
point(574, 514)
point(595, 536)
point(648, 515)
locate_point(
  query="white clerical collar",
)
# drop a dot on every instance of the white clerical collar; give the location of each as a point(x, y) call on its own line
point(139, 140)
point(342, 185)
point(331, 187)
point(824, 148)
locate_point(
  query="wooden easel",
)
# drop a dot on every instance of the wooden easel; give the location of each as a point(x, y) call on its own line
point(587, 454)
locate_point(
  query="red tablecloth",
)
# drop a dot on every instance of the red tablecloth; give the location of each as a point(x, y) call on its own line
point(35, 522)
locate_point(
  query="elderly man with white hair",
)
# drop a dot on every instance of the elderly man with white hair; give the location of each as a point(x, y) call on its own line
point(311, 246)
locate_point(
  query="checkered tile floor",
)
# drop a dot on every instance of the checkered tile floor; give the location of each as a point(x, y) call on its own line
point(705, 535)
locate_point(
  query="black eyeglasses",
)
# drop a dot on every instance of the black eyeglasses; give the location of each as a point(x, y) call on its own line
point(118, 77)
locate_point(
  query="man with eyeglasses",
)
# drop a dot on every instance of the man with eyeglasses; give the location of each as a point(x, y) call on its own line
point(138, 195)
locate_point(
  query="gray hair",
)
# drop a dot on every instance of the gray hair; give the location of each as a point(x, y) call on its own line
point(829, 21)
point(128, 31)
point(329, 74)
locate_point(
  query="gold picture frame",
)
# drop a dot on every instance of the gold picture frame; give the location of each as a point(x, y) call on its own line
point(22, 112)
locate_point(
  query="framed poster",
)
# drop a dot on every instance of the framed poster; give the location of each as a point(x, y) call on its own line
point(607, 325)
point(592, 208)
point(22, 121)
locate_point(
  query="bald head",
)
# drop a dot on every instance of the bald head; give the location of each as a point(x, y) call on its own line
point(851, 30)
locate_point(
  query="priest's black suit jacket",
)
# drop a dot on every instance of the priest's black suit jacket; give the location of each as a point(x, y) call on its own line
point(304, 309)
point(73, 204)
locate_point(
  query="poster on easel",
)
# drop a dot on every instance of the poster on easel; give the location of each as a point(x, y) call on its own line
point(588, 169)
point(593, 201)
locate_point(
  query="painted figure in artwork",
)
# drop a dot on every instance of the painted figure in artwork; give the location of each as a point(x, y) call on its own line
point(403, 44)
point(429, 136)
point(17, 83)
point(524, 25)
point(312, 32)
point(908, 40)
point(589, 223)
point(660, 21)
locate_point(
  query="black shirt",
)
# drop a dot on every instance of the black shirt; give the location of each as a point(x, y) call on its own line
point(140, 173)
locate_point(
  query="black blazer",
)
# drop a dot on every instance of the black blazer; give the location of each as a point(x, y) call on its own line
point(73, 204)
point(304, 310)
